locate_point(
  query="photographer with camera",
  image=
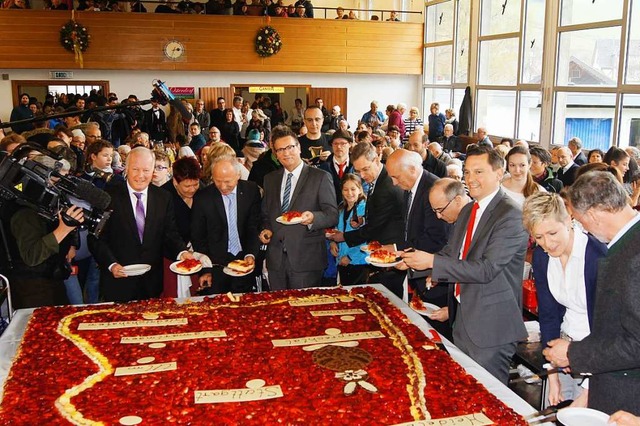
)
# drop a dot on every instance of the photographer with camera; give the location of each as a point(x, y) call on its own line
point(40, 251)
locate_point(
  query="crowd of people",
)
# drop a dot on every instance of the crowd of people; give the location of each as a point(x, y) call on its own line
point(213, 185)
point(275, 8)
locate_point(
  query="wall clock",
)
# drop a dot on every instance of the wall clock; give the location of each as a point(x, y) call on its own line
point(174, 50)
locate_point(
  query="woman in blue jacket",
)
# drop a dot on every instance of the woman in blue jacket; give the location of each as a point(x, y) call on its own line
point(565, 271)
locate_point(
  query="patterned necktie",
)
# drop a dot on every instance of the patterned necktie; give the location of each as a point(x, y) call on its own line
point(467, 242)
point(287, 193)
point(139, 214)
point(234, 245)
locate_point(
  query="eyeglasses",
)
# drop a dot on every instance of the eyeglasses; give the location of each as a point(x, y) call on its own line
point(339, 143)
point(440, 211)
point(161, 168)
point(285, 149)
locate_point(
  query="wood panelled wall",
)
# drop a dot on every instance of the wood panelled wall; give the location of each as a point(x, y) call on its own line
point(130, 41)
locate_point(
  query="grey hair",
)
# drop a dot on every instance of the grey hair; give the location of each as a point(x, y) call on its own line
point(575, 141)
point(450, 187)
point(598, 190)
point(230, 159)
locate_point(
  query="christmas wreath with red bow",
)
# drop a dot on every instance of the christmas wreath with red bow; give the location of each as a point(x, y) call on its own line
point(268, 41)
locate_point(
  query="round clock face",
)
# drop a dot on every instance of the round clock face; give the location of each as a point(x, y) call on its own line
point(174, 49)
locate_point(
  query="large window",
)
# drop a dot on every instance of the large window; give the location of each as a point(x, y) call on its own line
point(540, 70)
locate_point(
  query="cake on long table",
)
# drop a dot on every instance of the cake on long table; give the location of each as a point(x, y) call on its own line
point(320, 356)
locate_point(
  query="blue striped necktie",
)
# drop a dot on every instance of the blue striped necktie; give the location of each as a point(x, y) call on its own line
point(287, 193)
point(234, 238)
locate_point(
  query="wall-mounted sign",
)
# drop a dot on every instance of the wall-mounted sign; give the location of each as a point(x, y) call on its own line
point(266, 89)
point(59, 75)
point(183, 92)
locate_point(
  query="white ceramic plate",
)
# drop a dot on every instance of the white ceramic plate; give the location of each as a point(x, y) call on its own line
point(365, 248)
point(136, 269)
point(295, 221)
point(381, 265)
point(574, 416)
point(233, 273)
point(428, 310)
point(174, 268)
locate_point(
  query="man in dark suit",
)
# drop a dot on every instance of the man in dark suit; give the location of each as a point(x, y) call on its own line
point(383, 219)
point(451, 144)
point(422, 229)
point(610, 352)
point(485, 260)
point(568, 169)
point(575, 145)
point(155, 122)
point(218, 235)
point(141, 229)
point(217, 115)
point(337, 165)
point(419, 142)
point(297, 254)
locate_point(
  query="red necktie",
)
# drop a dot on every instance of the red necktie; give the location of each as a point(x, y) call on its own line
point(341, 169)
point(467, 243)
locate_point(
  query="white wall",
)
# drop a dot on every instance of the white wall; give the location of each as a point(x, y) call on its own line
point(362, 88)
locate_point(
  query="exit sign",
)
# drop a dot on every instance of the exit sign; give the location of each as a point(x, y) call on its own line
point(59, 75)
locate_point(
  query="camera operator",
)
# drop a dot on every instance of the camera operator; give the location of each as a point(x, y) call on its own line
point(40, 253)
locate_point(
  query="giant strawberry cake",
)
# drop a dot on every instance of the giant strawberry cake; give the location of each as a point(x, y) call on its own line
point(327, 356)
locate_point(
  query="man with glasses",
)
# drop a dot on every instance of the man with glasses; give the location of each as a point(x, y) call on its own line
point(217, 115)
point(485, 259)
point(202, 116)
point(214, 136)
point(337, 165)
point(383, 219)
point(296, 253)
point(313, 119)
point(92, 133)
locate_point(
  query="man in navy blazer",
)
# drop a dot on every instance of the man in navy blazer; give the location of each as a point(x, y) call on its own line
point(211, 225)
point(296, 253)
point(120, 243)
point(487, 310)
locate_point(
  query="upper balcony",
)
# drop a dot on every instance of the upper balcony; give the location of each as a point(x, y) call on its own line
point(30, 39)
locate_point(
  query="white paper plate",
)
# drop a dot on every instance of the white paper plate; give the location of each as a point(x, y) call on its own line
point(328, 234)
point(428, 310)
point(574, 416)
point(233, 273)
point(174, 268)
point(365, 248)
point(136, 269)
point(294, 221)
point(381, 265)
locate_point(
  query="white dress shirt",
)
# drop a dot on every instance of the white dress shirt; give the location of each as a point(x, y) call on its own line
point(482, 206)
point(294, 181)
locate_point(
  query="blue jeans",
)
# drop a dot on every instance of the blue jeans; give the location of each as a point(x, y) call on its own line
point(74, 292)
point(89, 276)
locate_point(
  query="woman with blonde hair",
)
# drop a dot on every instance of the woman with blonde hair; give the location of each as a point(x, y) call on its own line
point(519, 184)
point(565, 269)
point(218, 150)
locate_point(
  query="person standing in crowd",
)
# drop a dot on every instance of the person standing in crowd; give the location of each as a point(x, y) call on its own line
point(338, 163)
point(541, 172)
point(373, 118)
point(225, 221)
point(216, 117)
point(485, 260)
point(519, 184)
point(296, 254)
point(22, 112)
point(141, 230)
point(422, 229)
point(596, 156)
point(313, 119)
point(565, 268)
point(383, 219)
point(155, 122)
point(202, 116)
point(417, 143)
point(575, 146)
point(568, 169)
point(230, 131)
point(352, 268)
point(412, 123)
point(437, 120)
point(610, 352)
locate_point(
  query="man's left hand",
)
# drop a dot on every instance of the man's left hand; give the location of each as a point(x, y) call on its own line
point(307, 218)
point(556, 353)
